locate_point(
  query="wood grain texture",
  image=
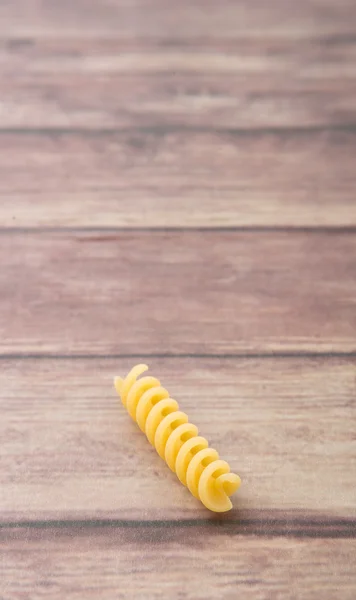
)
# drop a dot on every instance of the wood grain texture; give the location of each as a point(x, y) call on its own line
point(287, 426)
point(177, 292)
point(223, 135)
point(160, 178)
point(240, 83)
point(167, 20)
point(151, 563)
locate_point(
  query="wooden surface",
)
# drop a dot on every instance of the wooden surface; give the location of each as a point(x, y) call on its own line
point(154, 563)
point(173, 178)
point(177, 186)
point(290, 429)
point(239, 292)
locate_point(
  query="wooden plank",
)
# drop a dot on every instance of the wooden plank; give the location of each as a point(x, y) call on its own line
point(207, 292)
point(286, 426)
point(243, 83)
point(187, 19)
point(163, 178)
point(172, 562)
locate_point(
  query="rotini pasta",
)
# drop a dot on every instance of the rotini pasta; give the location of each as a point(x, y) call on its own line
point(177, 441)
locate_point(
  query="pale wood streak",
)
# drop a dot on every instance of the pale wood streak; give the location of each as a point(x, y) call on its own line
point(243, 82)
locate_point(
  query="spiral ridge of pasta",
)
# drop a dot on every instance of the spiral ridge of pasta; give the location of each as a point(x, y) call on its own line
point(176, 440)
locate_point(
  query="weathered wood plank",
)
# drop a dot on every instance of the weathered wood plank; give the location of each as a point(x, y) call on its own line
point(287, 426)
point(186, 19)
point(243, 83)
point(194, 563)
point(177, 292)
point(166, 178)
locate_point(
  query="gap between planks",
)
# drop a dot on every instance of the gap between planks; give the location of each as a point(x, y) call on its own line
point(264, 524)
point(317, 229)
point(162, 130)
point(138, 356)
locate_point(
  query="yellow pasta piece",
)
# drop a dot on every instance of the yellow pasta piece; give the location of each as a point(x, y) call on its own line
point(177, 441)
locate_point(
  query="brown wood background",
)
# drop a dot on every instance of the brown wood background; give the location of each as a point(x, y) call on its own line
point(178, 186)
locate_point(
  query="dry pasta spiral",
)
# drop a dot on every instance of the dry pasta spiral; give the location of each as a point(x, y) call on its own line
point(177, 441)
